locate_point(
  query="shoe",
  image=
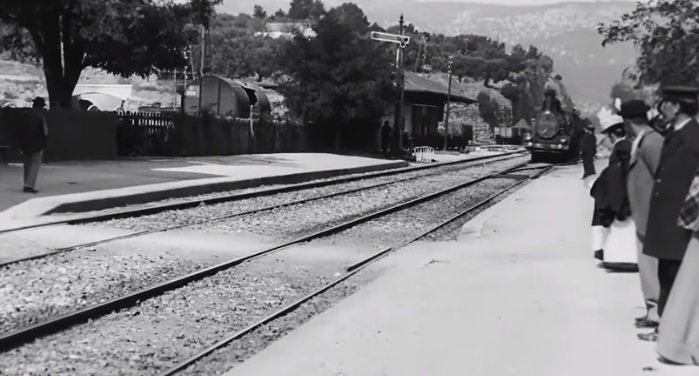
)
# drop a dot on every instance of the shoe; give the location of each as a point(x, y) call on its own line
point(648, 337)
point(646, 324)
point(599, 255)
point(30, 190)
point(642, 318)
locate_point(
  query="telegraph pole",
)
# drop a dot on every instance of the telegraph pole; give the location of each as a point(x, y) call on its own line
point(446, 121)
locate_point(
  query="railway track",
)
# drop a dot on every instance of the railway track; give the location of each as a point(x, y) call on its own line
point(22, 336)
point(350, 271)
point(217, 199)
point(432, 172)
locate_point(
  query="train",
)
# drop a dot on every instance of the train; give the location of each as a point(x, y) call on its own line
point(556, 133)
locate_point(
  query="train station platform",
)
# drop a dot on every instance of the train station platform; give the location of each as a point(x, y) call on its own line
point(70, 188)
point(97, 185)
point(517, 294)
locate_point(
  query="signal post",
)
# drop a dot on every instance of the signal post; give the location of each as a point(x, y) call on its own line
point(402, 41)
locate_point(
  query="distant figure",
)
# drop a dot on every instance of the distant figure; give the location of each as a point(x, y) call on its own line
point(385, 137)
point(33, 136)
point(588, 150)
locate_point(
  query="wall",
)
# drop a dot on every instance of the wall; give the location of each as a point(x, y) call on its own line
point(73, 135)
point(214, 136)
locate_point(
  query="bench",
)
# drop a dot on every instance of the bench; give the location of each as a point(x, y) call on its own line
point(3, 153)
point(423, 154)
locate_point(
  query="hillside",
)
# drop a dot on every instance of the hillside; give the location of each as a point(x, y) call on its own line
point(566, 32)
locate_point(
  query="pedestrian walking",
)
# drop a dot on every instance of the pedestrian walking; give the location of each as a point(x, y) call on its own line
point(645, 156)
point(33, 137)
point(588, 150)
point(678, 339)
point(385, 137)
point(613, 231)
point(679, 161)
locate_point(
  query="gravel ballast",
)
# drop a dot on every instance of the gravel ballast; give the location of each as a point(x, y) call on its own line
point(271, 186)
point(303, 219)
point(39, 289)
point(36, 290)
point(160, 332)
point(204, 212)
point(154, 335)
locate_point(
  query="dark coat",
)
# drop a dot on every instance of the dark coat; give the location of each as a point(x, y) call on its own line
point(609, 190)
point(32, 137)
point(679, 161)
point(588, 145)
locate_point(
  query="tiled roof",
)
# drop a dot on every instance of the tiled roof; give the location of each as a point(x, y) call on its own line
point(418, 84)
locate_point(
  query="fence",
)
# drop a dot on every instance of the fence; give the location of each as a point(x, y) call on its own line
point(94, 135)
point(73, 135)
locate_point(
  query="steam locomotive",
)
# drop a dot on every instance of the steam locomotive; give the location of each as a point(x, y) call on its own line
point(555, 133)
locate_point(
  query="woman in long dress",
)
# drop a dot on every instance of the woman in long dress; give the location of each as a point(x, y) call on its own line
point(612, 229)
point(678, 336)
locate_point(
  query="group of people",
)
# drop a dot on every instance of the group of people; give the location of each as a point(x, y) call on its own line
point(648, 196)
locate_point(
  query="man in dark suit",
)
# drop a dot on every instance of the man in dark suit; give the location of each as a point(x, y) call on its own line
point(679, 161)
point(588, 149)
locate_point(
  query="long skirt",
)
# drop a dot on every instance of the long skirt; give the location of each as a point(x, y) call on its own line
point(678, 338)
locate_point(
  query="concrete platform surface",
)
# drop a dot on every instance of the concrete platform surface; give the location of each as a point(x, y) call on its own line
point(85, 186)
point(517, 294)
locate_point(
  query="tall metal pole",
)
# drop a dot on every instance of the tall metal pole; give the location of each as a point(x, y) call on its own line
point(446, 121)
point(402, 91)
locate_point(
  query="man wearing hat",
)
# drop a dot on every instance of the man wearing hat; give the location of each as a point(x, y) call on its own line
point(32, 142)
point(679, 161)
point(588, 150)
point(645, 156)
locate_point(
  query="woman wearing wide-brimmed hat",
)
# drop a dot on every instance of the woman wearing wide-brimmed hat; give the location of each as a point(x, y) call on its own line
point(613, 230)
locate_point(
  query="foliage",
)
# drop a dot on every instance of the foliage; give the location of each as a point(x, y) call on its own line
point(306, 9)
point(124, 37)
point(236, 50)
point(667, 34)
point(339, 76)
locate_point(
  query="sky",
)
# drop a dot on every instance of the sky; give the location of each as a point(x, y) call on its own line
point(524, 2)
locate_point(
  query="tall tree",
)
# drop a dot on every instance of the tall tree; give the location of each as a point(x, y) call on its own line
point(259, 12)
point(338, 76)
point(306, 9)
point(124, 37)
point(667, 34)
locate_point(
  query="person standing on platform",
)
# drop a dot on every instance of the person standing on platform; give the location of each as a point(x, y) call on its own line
point(678, 339)
point(588, 150)
point(679, 162)
point(645, 156)
point(610, 195)
point(33, 136)
point(385, 137)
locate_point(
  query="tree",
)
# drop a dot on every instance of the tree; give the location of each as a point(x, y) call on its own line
point(667, 35)
point(336, 78)
point(306, 9)
point(259, 12)
point(124, 37)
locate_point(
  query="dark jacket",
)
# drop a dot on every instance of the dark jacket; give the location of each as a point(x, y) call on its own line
point(609, 190)
point(32, 136)
point(588, 145)
point(679, 161)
